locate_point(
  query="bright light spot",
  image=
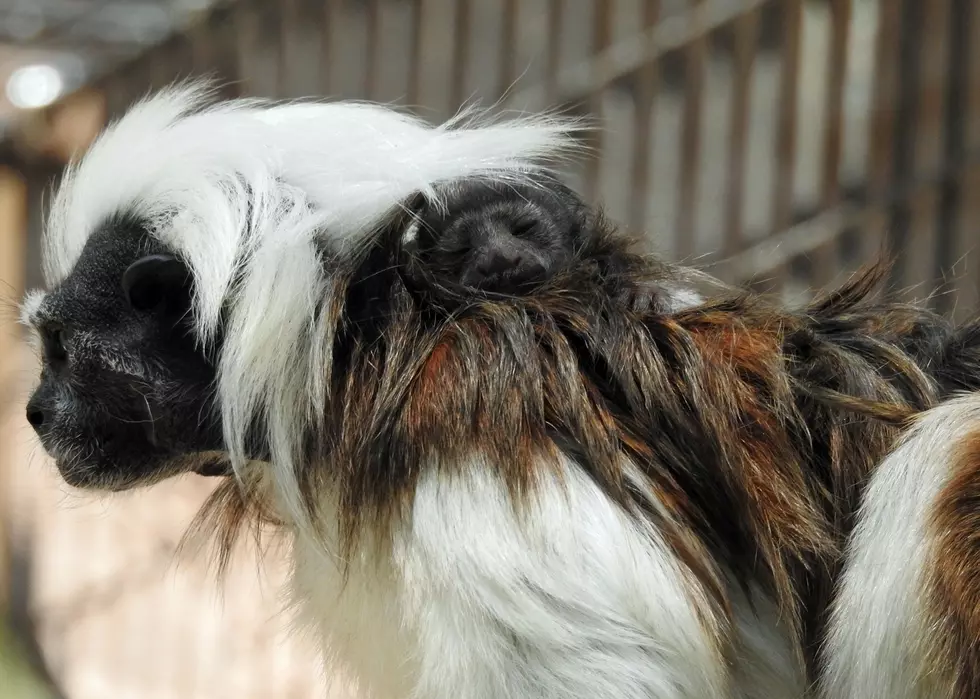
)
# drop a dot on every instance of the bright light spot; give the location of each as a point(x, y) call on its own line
point(34, 86)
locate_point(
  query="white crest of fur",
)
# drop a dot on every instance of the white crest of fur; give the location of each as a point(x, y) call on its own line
point(878, 621)
point(243, 189)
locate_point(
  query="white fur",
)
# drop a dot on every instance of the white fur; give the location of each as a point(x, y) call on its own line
point(411, 232)
point(682, 298)
point(874, 647)
point(30, 306)
point(765, 666)
point(570, 599)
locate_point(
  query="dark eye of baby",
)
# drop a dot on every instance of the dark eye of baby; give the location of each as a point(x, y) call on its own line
point(524, 228)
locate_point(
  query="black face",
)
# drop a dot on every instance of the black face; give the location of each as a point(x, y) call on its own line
point(126, 393)
point(496, 238)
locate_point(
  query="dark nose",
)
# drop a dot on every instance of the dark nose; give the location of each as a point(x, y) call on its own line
point(36, 413)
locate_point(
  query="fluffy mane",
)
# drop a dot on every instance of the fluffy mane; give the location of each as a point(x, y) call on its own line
point(249, 192)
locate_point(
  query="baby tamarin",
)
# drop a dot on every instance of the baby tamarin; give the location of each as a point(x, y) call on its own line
point(497, 237)
point(500, 238)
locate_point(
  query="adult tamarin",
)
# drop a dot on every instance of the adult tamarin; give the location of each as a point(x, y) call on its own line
point(571, 486)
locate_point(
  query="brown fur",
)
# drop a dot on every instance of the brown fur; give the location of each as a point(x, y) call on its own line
point(954, 574)
point(755, 426)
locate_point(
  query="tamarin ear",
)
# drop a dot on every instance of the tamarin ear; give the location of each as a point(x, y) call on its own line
point(157, 284)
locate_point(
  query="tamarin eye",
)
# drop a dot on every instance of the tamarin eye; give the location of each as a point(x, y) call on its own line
point(524, 228)
point(56, 339)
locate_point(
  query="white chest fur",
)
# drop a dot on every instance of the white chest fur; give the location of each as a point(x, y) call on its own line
point(567, 600)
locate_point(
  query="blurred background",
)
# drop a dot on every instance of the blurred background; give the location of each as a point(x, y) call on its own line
point(777, 143)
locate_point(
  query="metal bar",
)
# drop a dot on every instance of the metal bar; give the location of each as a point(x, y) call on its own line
point(840, 25)
point(483, 47)
point(459, 51)
point(507, 40)
point(259, 57)
point(646, 83)
point(886, 83)
point(951, 208)
point(214, 49)
point(392, 50)
point(788, 111)
point(553, 55)
point(907, 112)
point(246, 25)
point(966, 258)
point(415, 58)
point(695, 58)
point(933, 80)
point(882, 124)
point(825, 261)
point(920, 259)
point(601, 35)
point(531, 54)
point(972, 98)
point(286, 35)
point(350, 47)
point(967, 250)
point(301, 39)
point(271, 39)
point(372, 50)
point(746, 30)
point(436, 28)
point(326, 45)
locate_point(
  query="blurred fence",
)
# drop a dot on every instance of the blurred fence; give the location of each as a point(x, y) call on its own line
point(779, 143)
point(782, 141)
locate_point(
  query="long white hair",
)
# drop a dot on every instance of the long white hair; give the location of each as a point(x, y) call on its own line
point(244, 191)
